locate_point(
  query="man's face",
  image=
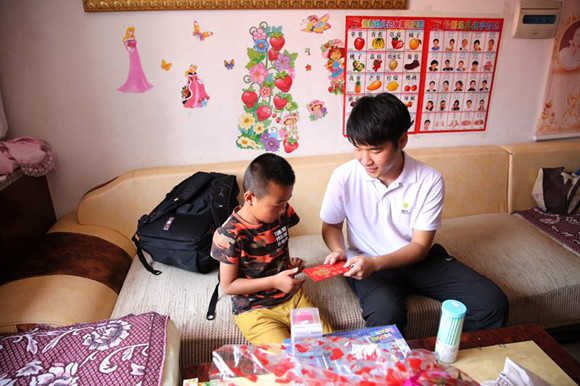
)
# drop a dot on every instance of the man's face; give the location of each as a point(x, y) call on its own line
point(381, 161)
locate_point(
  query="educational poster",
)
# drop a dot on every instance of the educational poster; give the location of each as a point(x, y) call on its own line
point(441, 68)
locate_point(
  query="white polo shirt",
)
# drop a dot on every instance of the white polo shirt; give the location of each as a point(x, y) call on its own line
point(381, 219)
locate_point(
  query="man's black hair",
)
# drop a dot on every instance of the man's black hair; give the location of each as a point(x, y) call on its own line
point(375, 120)
point(267, 168)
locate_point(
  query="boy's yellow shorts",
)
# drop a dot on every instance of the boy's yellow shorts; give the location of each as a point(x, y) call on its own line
point(272, 325)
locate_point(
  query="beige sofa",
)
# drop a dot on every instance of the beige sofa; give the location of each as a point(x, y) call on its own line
point(484, 184)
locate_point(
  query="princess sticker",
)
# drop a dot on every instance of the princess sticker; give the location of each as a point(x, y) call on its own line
point(316, 109)
point(136, 81)
point(193, 93)
point(270, 114)
point(333, 52)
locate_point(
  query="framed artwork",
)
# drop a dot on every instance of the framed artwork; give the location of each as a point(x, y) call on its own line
point(160, 5)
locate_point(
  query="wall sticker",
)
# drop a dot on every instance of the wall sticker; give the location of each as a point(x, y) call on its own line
point(136, 80)
point(316, 24)
point(198, 34)
point(333, 52)
point(193, 93)
point(270, 114)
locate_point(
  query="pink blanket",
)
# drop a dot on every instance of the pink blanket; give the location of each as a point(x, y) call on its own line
point(125, 351)
point(34, 156)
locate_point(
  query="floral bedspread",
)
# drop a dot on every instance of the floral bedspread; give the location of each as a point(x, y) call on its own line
point(563, 228)
point(125, 351)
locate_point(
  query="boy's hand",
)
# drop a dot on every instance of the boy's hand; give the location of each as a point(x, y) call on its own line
point(334, 257)
point(285, 281)
point(362, 267)
point(296, 262)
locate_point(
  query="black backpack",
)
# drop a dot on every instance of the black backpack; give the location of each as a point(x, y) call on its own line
point(179, 230)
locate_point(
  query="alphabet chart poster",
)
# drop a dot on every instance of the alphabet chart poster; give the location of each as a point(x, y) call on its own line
point(441, 68)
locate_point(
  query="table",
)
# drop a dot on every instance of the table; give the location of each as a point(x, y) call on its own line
point(470, 340)
point(512, 335)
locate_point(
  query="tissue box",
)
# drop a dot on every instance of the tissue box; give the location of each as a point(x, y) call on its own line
point(305, 323)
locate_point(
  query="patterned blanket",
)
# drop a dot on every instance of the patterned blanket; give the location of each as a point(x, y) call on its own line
point(125, 351)
point(565, 229)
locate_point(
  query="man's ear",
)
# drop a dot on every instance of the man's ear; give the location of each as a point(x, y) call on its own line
point(403, 140)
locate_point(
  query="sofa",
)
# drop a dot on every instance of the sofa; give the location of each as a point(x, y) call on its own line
point(484, 186)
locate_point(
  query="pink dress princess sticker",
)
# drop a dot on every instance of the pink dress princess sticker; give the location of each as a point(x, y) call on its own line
point(193, 93)
point(136, 80)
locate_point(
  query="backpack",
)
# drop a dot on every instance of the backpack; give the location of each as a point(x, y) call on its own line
point(179, 230)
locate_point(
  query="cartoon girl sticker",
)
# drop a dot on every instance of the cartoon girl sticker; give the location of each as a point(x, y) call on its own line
point(333, 52)
point(193, 93)
point(136, 80)
point(316, 109)
point(290, 131)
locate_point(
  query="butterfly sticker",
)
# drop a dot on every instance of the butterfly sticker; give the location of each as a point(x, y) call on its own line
point(166, 66)
point(316, 24)
point(229, 65)
point(198, 34)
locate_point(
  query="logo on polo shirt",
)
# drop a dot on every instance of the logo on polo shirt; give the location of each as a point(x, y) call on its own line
point(405, 209)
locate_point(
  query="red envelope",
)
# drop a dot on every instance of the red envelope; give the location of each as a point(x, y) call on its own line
point(325, 271)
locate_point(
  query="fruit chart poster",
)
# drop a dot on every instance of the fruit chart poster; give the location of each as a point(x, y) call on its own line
point(441, 68)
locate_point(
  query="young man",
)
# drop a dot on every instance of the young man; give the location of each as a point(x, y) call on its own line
point(252, 248)
point(392, 206)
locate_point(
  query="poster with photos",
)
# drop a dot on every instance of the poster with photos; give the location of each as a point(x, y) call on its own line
point(441, 68)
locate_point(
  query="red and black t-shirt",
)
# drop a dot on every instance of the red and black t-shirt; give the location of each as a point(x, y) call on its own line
point(259, 250)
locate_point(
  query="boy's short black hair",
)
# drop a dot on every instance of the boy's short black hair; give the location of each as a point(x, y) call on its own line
point(267, 168)
point(375, 120)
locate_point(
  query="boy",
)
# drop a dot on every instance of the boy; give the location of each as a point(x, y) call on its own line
point(252, 248)
point(391, 205)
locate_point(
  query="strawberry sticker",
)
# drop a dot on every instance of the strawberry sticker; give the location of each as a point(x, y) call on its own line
point(249, 97)
point(283, 82)
point(270, 117)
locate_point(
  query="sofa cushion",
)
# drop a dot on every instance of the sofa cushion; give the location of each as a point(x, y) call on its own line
point(540, 278)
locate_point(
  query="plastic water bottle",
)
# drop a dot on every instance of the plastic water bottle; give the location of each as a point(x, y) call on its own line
point(450, 327)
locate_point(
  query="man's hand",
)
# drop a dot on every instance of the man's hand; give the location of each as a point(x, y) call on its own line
point(362, 266)
point(285, 281)
point(334, 257)
point(296, 262)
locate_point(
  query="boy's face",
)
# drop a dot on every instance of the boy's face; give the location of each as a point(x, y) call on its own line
point(271, 206)
point(381, 161)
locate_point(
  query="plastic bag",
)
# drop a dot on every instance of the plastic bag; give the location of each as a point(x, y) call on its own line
point(331, 361)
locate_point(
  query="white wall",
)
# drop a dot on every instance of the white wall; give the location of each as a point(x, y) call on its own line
point(60, 67)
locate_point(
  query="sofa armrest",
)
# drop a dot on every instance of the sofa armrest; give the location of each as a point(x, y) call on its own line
point(69, 223)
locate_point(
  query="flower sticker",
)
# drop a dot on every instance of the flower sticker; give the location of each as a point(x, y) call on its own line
point(268, 104)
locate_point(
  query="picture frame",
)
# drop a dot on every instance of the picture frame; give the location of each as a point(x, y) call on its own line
point(172, 5)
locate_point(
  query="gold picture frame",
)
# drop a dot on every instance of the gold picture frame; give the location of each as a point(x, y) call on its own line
point(163, 5)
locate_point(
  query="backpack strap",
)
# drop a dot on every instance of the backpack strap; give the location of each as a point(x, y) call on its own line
point(226, 188)
point(147, 266)
point(213, 301)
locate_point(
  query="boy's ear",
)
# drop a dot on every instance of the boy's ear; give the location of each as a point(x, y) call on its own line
point(248, 196)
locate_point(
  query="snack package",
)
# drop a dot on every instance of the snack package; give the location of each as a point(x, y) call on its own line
point(342, 361)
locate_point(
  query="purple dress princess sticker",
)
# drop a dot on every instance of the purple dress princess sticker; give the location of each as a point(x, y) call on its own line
point(136, 80)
